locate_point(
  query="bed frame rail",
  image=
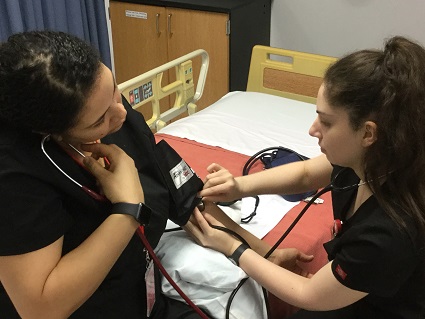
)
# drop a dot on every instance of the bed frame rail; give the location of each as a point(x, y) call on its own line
point(148, 88)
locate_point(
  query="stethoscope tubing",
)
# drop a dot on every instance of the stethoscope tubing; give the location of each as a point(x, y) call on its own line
point(330, 187)
point(56, 165)
point(86, 189)
point(296, 220)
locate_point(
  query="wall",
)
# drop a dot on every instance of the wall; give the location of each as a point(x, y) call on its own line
point(336, 27)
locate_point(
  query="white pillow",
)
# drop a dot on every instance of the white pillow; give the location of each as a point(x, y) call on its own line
point(208, 278)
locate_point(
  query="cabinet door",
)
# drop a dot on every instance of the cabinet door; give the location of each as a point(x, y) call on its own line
point(190, 30)
point(139, 38)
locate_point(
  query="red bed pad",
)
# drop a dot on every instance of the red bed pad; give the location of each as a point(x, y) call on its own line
point(313, 229)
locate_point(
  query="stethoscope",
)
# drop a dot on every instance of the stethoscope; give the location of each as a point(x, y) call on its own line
point(87, 190)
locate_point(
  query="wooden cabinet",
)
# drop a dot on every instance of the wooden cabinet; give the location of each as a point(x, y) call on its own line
point(148, 33)
point(138, 36)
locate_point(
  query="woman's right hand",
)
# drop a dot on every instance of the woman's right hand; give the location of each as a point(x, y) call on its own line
point(199, 228)
point(220, 185)
point(120, 180)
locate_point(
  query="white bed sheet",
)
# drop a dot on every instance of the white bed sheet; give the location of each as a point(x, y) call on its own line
point(246, 122)
point(208, 278)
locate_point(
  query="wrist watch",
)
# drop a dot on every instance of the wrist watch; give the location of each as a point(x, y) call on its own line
point(234, 258)
point(140, 211)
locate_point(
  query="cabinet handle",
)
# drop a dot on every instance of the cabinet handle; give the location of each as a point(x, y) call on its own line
point(169, 25)
point(158, 32)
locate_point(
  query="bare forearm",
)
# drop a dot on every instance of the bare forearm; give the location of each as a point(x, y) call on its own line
point(88, 265)
point(79, 273)
point(283, 283)
point(307, 293)
point(291, 178)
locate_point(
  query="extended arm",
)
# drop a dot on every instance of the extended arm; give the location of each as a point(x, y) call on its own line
point(308, 293)
point(291, 178)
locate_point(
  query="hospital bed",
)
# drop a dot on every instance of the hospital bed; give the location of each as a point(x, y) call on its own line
point(276, 110)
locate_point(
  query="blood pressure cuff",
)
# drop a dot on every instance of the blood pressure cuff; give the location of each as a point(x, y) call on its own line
point(137, 140)
point(181, 180)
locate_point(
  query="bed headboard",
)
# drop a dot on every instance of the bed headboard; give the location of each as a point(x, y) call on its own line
point(148, 88)
point(291, 74)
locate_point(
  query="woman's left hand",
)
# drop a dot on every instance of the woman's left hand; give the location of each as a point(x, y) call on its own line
point(290, 258)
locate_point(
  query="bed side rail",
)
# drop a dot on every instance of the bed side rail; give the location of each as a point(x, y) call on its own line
point(291, 74)
point(147, 88)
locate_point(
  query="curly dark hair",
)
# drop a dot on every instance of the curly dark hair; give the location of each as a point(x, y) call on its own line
point(45, 78)
point(388, 87)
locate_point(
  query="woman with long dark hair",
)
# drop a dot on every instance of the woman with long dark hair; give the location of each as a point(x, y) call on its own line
point(370, 126)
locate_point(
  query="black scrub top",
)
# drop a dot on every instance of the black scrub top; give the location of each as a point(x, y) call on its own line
point(374, 255)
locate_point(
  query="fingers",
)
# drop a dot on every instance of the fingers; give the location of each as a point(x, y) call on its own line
point(218, 177)
point(201, 221)
point(195, 227)
point(215, 193)
point(199, 228)
point(99, 150)
point(214, 167)
point(304, 257)
point(102, 150)
point(94, 167)
point(220, 184)
point(119, 180)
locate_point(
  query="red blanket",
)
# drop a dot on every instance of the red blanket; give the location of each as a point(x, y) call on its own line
point(308, 235)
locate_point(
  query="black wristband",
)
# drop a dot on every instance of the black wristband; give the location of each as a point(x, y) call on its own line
point(234, 258)
point(140, 211)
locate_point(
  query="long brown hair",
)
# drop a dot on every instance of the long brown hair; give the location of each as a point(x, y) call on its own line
point(388, 87)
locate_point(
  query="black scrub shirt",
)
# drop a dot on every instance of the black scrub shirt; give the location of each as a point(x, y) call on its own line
point(372, 254)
